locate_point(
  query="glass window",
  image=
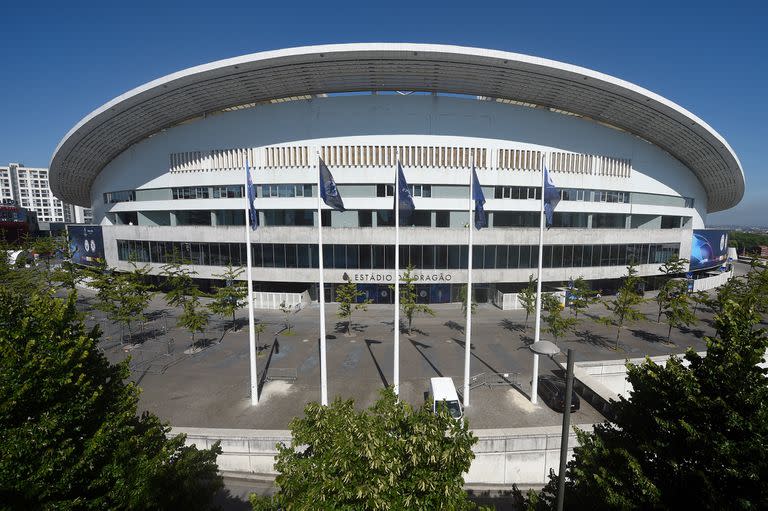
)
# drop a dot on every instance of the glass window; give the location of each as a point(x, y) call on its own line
point(365, 257)
point(454, 257)
point(378, 257)
point(513, 258)
point(477, 256)
point(302, 256)
point(352, 257)
point(502, 252)
point(567, 256)
point(441, 256)
point(267, 255)
point(428, 257)
point(442, 219)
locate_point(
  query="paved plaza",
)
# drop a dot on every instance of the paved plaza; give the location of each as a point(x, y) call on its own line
point(207, 385)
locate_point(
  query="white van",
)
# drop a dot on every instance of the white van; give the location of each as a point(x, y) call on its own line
point(444, 394)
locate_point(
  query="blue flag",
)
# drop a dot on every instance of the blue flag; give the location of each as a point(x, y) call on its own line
point(253, 216)
point(404, 194)
point(328, 191)
point(481, 219)
point(551, 197)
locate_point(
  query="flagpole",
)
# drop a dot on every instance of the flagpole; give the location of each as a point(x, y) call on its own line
point(468, 328)
point(321, 291)
point(396, 367)
point(537, 329)
point(249, 276)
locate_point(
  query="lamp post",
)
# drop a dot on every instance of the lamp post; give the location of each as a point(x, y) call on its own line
point(540, 348)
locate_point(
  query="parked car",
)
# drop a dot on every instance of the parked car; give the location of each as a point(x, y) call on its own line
point(444, 395)
point(552, 391)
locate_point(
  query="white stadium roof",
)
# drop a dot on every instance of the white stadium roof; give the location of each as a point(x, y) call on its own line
point(167, 101)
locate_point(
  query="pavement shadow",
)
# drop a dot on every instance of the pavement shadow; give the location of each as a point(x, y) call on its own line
point(594, 339)
point(512, 326)
point(341, 327)
point(368, 344)
point(696, 332)
point(420, 347)
point(454, 326)
point(486, 364)
point(649, 336)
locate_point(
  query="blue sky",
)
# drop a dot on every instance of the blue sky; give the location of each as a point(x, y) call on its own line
point(62, 60)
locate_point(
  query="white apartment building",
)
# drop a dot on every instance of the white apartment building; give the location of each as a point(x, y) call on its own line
point(29, 188)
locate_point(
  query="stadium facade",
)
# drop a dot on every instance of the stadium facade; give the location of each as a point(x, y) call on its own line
point(163, 168)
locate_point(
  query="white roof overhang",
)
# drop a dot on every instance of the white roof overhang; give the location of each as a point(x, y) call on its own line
point(167, 101)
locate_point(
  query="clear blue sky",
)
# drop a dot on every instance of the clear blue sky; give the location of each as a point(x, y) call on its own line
point(60, 61)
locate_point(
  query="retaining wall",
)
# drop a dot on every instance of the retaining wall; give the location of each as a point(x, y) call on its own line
point(520, 456)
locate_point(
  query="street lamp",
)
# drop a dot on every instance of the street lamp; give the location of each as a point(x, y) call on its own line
point(540, 348)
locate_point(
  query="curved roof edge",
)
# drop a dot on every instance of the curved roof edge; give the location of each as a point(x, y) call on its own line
point(131, 117)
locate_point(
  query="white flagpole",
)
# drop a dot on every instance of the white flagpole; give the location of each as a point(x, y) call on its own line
point(537, 330)
point(321, 291)
point(468, 328)
point(249, 276)
point(396, 369)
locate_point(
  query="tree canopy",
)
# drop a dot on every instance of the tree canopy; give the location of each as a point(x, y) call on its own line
point(390, 456)
point(693, 433)
point(71, 437)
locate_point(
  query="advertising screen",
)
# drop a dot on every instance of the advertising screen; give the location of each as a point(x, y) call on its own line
point(709, 248)
point(86, 244)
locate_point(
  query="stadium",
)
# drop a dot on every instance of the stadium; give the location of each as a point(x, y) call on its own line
point(163, 169)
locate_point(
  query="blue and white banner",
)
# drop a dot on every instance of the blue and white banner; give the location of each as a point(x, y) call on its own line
point(709, 248)
point(405, 197)
point(253, 215)
point(551, 197)
point(328, 191)
point(481, 219)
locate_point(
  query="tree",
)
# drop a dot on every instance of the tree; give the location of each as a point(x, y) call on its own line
point(123, 296)
point(624, 306)
point(194, 316)
point(347, 295)
point(527, 298)
point(677, 307)
point(45, 249)
point(230, 297)
point(463, 300)
point(390, 456)
point(71, 437)
point(179, 281)
point(582, 296)
point(408, 298)
point(670, 286)
point(557, 325)
point(288, 312)
point(689, 436)
point(67, 273)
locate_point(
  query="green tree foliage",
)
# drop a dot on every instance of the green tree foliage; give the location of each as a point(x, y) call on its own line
point(194, 316)
point(45, 249)
point(527, 298)
point(463, 300)
point(390, 456)
point(747, 242)
point(557, 324)
point(67, 273)
point(582, 296)
point(688, 437)
point(71, 438)
point(179, 280)
point(678, 309)
point(288, 312)
point(348, 295)
point(230, 297)
point(123, 296)
point(409, 299)
point(670, 286)
point(625, 306)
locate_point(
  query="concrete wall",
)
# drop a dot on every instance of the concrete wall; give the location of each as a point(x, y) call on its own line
point(520, 456)
point(421, 120)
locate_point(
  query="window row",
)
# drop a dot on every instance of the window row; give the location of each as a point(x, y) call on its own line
point(380, 257)
point(120, 196)
point(283, 190)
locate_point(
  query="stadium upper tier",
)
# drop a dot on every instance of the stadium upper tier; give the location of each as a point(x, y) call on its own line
point(111, 129)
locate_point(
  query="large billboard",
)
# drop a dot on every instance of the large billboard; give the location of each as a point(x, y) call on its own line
point(709, 248)
point(86, 244)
